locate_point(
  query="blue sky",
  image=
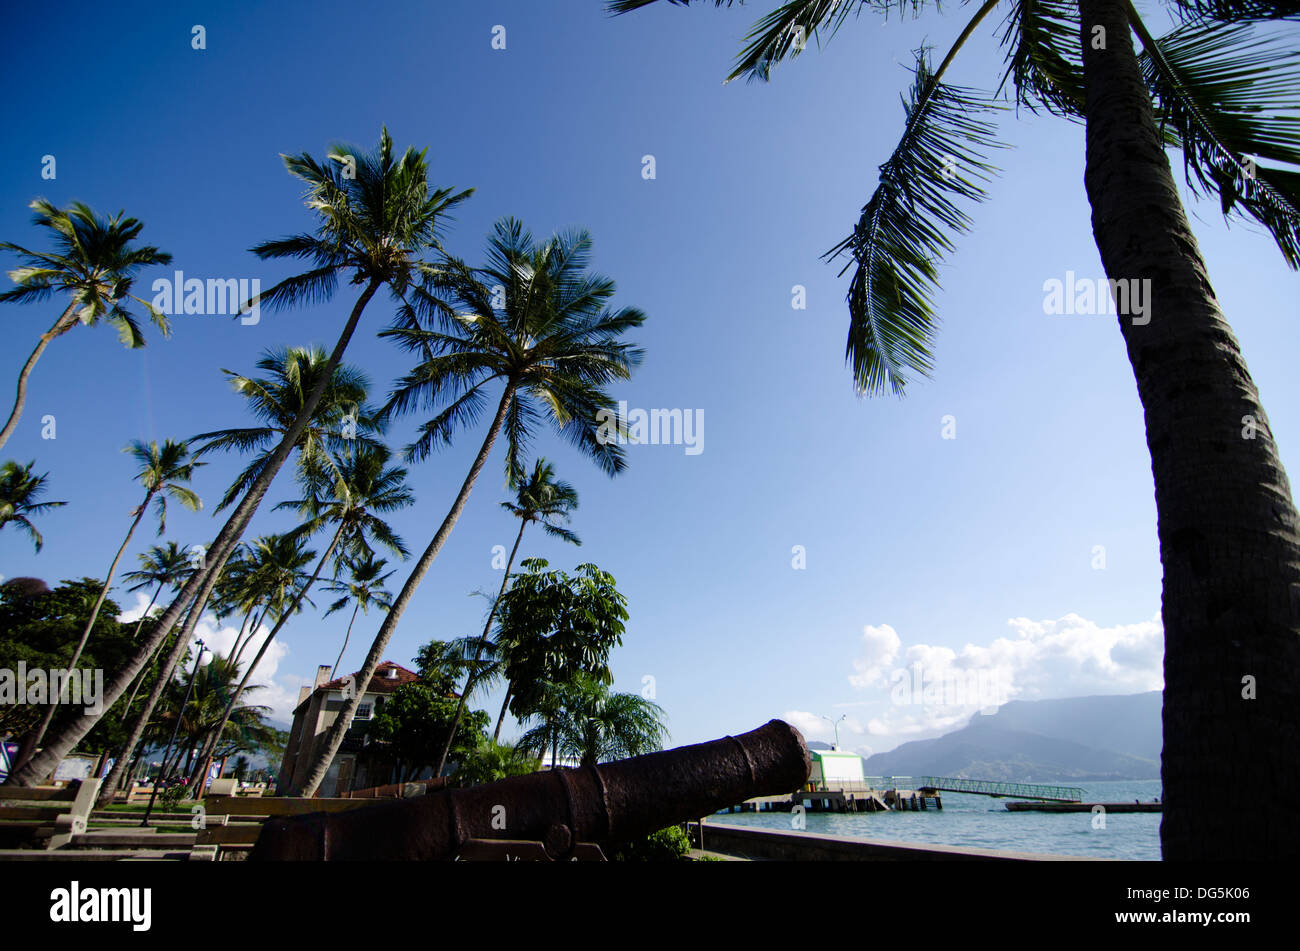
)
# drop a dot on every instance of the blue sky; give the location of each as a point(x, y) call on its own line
point(973, 553)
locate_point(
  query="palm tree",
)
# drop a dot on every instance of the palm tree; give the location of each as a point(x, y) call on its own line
point(165, 566)
point(1223, 93)
point(364, 586)
point(162, 566)
point(553, 348)
point(352, 493)
point(277, 400)
point(242, 591)
point(277, 576)
point(94, 262)
point(542, 499)
point(594, 726)
point(491, 761)
point(19, 491)
point(163, 473)
point(378, 217)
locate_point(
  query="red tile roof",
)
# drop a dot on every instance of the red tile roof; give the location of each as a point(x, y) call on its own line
point(381, 682)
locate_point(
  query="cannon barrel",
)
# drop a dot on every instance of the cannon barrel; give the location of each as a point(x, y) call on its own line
point(559, 808)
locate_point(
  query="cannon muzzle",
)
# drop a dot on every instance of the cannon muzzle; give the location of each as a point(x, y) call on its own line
point(561, 808)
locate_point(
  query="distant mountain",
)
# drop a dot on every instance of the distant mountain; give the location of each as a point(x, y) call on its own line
point(1073, 739)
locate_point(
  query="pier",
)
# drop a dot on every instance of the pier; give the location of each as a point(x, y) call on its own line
point(916, 794)
point(981, 787)
point(845, 796)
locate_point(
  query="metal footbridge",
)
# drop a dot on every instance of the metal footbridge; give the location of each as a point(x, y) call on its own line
point(980, 787)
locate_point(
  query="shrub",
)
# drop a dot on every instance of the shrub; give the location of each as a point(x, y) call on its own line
point(666, 845)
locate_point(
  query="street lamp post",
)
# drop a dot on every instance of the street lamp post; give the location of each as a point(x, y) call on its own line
point(836, 725)
point(153, 794)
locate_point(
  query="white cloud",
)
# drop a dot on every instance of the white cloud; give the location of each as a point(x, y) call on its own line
point(1066, 657)
point(879, 648)
point(281, 696)
point(135, 613)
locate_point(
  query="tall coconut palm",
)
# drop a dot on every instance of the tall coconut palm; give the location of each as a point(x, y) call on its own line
point(277, 574)
point(277, 398)
point(352, 493)
point(378, 218)
point(94, 261)
point(165, 566)
point(540, 498)
point(553, 349)
point(163, 472)
point(1224, 93)
point(162, 566)
point(364, 587)
point(19, 491)
point(241, 592)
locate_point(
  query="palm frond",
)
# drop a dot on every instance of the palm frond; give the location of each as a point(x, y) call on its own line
point(1043, 58)
point(904, 229)
point(1227, 93)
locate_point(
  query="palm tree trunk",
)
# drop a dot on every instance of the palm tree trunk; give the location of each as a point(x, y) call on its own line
point(284, 616)
point(61, 326)
point(200, 583)
point(346, 637)
point(34, 739)
point(251, 634)
point(482, 642)
point(149, 607)
point(243, 629)
point(496, 734)
point(138, 681)
point(334, 738)
point(164, 677)
point(1228, 528)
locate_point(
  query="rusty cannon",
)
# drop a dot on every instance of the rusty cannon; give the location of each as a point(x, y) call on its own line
point(555, 814)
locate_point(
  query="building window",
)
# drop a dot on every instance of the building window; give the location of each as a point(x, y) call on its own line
point(363, 711)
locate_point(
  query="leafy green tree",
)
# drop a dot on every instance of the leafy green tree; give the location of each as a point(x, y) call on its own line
point(553, 349)
point(377, 219)
point(40, 628)
point(94, 262)
point(19, 491)
point(1222, 88)
point(555, 628)
point(540, 498)
point(415, 720)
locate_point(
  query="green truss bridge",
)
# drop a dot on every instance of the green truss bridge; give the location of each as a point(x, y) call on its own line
point(980, 787)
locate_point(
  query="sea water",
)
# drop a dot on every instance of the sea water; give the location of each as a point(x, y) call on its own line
point(984, 822)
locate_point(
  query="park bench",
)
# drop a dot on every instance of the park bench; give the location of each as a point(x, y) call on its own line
point(232, 823)
point(45, 817)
